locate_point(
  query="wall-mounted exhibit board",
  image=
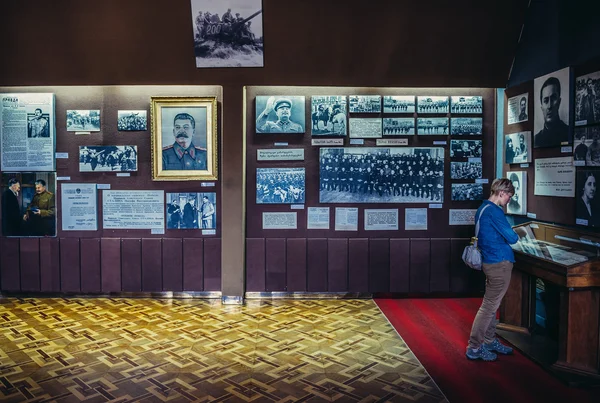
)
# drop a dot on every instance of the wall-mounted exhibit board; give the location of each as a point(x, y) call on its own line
point(310, 227)
point(168, 254)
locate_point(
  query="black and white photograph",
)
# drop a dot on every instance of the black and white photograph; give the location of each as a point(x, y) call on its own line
point(587, 99)
point(517, 204)
point(587, 206)
point(280, 185)
point(467, 191)
point(432, 126)
point(466, 104)
point(381, 175)
point(364, 103)
point(517, 148)
point(228, 33)
point(399, 104)
point(107, 158)
point(83, 120)
point(470, 126)
point(398, 126)
point(38, 123)
point(132, 121)
point(586, 150)
point(551, 109)
point(517, 109)
point(191, 210)
point(280, 114)
point(465, 149)
point(428, 104)
point(364, 128)
point(466, 170)
point(328, 115)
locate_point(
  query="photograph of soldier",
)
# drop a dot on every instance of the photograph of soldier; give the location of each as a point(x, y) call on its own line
point(465, 149)
point(83, 120)
point(426, 104)
point(328, 115)
point(381, 175)
point(132, 121)
point(399, 104)
point(460, 126)
point(587, 99)
point(183, 137)
point(592, 158)
point(466, 170)
point(107, 158)
point(280, 114)
point(398, 126)
point(191, 210)
point(432, 126)
point(365, 103)
point(280, 185)
point(38, 124)
point(228, 33)
point(518, 202)
point(517, 147)
point(466, 104)
point(467, 191)
point(551, 95)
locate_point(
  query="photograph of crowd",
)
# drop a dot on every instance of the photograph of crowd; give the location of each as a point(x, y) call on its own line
point(432, 126)
point(517, 148)
point(381, 175)
point(471, 126)
point(466, 104)
point(328, 115)
point(280, 114)
point(280, 185)
point(83, 120)
point(107, 158)
point(365, 103)
point(427, 104)
point(467, 191)
point(587, 205)
point(587, 147)
point(465, 148)
point(398, 126)
point(587, 99)
point(191, 210)
point(132, 121)
point(466, 170)
point(399, 104)
point(517, 204)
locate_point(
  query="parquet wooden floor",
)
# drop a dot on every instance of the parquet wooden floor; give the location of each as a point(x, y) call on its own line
point(153, 350)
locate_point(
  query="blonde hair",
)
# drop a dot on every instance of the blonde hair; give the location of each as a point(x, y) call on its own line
point(502, 185)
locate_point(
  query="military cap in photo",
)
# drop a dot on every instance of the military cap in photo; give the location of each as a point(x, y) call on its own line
point(282, 102)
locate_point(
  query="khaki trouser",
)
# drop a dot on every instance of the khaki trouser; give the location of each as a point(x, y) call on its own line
point(496, 284)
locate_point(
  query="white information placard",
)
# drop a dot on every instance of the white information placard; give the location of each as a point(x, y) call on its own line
point(415, 219)
point(317, 218)
point(327, 142)
point(79, 206)
point(555, 177)
point(133, 209)
point(365, 128)
point(462, 217)
point(392, 142)
point(381, 219)
point(279, 220)
point(346, 218)
point(289, 154)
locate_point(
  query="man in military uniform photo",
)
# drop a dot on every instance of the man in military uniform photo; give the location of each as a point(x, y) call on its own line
point(183, 154)
point(38, 125)
point(40, 215)
point(555, 131)
point(523, 108)
point(283, 109)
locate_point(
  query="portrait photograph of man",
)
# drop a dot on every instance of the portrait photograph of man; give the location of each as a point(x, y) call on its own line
point(587, 99)
point(551, 109)
point(517, 110)
point(280, 114)
point(183, 135)
point(38, 124)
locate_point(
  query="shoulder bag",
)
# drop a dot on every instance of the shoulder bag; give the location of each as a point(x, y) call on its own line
point(472, 255)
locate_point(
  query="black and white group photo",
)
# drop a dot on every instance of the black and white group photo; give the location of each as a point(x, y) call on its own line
point(83, 120)
point(38, 123)
point(466, 170)
point(467, 191)
point(398, 126)
point(432, 126)
point(466, 104)
point(132, 120)
point(191, 210)
point(381, 175)
point(587, 205)
point(517, 146)
point(399, 104)
point(586, 150)
point(587, 99)
point(328, 115)
point(364, 103)
point(107, 158)
point(430, 104)
point(280, 185)
point(280, 114)
point(551, 109)
point(465, 148)
point(471, 126)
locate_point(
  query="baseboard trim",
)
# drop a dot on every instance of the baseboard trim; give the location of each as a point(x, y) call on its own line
point(307, 295)
point(161, 294)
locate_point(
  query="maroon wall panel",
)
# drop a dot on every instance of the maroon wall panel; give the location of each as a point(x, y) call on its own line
point(111, 264)
point(440, 266)
point(459, 272)
point(379, 265)
point(358, 265)
point(400, 265)
point(10, 259)
point(317, 265)
point(296, 264)
point(30, 264)
point(50, 265)
point(151, 265)
point(275, 264)
point(193, 264)
point(255, 265)
point(172, 265)
point(419, 265)
point(212, 264)
point(70, 278)
point(91, 278)
point(337, 265)
point(131, 265)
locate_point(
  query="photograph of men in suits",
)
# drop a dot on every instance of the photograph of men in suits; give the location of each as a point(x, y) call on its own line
point(11, 210)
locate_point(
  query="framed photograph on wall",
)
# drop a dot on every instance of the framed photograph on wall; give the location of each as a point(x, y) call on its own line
point(466, 148)
point(587, 99)
point(467, 191)
point(79, 120)
point(399, 104)
point(466, 104)
point(432, 126)
point(398, 126)
point(517, 109)
point(108, 158)
point(280, 114)
point(587, 206)
point(184, 138)
point(518, 202)
point(587, 147)
point(517, 148)
point(328, 115)
point(191, 210)
point(429, 104)
point(132, 121)
point(280, 185)
point(551, 110)
point(466, 170)
point(365, 103)
point(470, 126)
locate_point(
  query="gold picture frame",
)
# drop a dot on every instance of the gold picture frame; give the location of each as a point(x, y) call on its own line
point(184, 138)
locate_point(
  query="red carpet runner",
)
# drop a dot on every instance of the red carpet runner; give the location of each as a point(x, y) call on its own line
point(437, 330)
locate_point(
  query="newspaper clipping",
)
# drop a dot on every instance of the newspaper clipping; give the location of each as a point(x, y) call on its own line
point(133, 209)
point(381, 219)
point(318, 218)
point(518, 109)
point(79, 206)
point(415, 219)
point(462, 217)
point(346, 219)
point(280, 220)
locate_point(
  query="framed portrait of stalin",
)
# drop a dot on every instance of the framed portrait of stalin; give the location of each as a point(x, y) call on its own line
point(184, 138)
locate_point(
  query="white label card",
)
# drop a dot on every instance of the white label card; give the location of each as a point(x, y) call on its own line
point(62, 156)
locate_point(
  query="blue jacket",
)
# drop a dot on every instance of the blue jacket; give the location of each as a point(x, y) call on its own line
point(495, 234)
